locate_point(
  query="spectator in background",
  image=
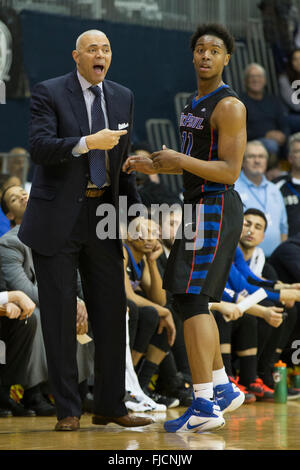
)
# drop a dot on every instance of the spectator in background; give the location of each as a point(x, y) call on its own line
point(289, 185)
point(5, 182)
point(271, 342)
point(17, 331)
point(257, 192)
point(18, 272)
point(288, 90)
point(266, 117)
point(281, 28)
point(174, 372)
point(155, 331)
point(255, 225)
point(18, 165)
point(286, 261)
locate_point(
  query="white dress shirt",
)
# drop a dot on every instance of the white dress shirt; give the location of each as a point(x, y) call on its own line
point(81, 146)
point(3, 297)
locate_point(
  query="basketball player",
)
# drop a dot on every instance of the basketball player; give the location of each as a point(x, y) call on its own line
point(213, 133)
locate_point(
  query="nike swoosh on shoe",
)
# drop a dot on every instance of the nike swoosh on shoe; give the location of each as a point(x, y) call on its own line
point(190, 426)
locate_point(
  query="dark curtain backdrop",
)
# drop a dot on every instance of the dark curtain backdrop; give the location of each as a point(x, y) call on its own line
point(154, 63)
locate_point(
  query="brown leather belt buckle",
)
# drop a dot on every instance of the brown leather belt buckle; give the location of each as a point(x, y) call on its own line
point(94, 192)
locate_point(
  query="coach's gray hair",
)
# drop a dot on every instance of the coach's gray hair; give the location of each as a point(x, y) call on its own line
point(90, 31)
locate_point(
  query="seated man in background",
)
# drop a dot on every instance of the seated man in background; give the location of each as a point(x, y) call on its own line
point(6, 180)
point(239, 338)
point(18, 165)
point(248, 347)
point(174, 373)
point(17, 331)
point(257, 192)
point(255, 225)
point(18, 272)
point(266, 117)
point(286, 261)
point(153, 331)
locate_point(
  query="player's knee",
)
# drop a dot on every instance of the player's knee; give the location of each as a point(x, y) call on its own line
point(149, 318)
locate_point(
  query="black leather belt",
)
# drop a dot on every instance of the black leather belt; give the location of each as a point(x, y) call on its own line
point(94, 192)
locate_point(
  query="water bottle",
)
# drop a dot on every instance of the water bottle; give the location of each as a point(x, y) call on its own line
point(279, 377)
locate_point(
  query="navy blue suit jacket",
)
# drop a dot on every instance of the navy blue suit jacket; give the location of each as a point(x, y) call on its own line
point(58, 120)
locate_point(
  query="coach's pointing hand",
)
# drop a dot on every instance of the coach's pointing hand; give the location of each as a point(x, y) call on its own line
point(105, 139)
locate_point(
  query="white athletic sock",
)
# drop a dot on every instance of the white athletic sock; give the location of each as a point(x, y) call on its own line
point(220, 377)
point(204, 390)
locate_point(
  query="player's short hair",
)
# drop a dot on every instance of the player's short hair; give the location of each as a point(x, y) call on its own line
point(253, 211)
point(217, 30)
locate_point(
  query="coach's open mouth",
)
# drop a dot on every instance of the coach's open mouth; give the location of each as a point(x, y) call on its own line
point(99, 68)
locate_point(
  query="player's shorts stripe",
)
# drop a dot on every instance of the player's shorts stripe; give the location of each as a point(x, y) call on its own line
point(199, 274)
point(194, 290)
point(218, 240)
point(195, 242)
point(202, 259)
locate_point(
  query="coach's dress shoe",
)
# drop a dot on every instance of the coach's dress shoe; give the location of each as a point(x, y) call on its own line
point(71, 423)
point(126, 421)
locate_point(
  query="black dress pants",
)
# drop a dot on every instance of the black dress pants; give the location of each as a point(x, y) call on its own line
point(100, 264)
point(18, 336)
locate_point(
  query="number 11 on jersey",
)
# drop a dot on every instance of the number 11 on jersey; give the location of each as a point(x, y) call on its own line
point(187, 142)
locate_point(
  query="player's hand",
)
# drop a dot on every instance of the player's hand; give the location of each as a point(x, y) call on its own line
point(231, 312)
point(167, 160)
point(82, 318)
point(295, 285)
point(289, 296)
point(106, 139)
point(168, 323)
point(155, 253)
point(139, 163)
point(273, 316)
point(12, 311)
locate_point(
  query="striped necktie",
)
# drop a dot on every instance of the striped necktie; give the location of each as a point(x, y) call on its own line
point(97, 157)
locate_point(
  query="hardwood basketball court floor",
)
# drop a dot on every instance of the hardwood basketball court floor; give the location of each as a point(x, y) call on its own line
point(258, 426)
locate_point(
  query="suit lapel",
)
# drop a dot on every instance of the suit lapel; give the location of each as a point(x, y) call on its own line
point(77, 102)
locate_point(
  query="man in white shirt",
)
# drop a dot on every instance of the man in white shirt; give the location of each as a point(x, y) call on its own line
point(257, 192)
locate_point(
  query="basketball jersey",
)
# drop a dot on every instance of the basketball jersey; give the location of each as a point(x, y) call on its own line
point(200, 140)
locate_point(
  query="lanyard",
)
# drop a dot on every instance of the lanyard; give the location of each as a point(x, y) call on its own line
point(291, 187)
point(137, 267)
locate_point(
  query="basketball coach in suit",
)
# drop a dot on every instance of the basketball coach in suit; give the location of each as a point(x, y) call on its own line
point(79, 137)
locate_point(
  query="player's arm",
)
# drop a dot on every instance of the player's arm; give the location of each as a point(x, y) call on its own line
point(229, 120)
point(139, 300)
point(151, 283)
